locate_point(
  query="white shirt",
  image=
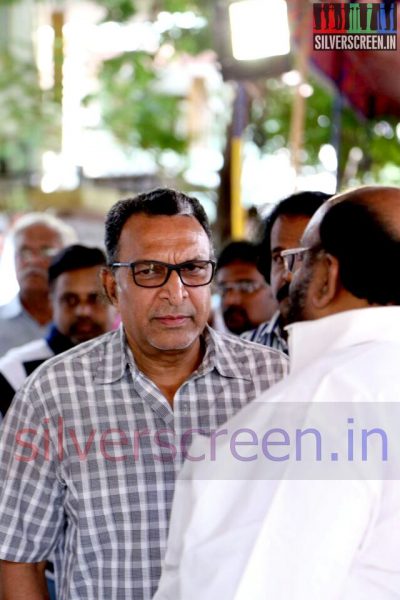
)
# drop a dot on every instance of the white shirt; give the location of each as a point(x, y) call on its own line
point(17, 326)
point(315, 529)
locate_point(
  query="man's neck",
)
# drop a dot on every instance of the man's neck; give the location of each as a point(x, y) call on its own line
point(170, 369)
point(38, 307)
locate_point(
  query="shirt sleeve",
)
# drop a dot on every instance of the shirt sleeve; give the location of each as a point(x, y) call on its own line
point(31, 513)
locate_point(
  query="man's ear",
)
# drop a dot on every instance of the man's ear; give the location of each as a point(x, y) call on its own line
point(109, 285)
point(329, 282)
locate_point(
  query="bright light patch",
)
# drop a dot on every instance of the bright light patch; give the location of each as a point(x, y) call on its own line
point(291, 78)
point(259, 29)
point(327, 156)
point(44, 49)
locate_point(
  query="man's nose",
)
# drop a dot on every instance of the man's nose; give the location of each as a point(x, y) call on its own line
point(174, 289)
point(83, 309)
point(287, 276)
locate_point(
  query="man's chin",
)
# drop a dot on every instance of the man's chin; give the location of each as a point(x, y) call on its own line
point(238, 328)
point(236, 322)
point(78, 337)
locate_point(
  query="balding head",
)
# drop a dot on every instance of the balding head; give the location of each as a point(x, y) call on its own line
point(355, 250)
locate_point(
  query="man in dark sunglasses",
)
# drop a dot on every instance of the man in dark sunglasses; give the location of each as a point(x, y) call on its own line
point(116, 416)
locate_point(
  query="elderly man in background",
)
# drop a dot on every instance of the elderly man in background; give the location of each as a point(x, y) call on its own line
point(246, 298)
point(37, 237)
point(273, 515)
point(127, 405)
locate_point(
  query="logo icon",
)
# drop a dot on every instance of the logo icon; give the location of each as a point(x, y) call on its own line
point(355, 26)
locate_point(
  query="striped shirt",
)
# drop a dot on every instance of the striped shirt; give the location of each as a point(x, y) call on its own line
point(268, 334)
point(94, 477)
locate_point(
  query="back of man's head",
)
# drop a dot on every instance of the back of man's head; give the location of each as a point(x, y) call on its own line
point(158, 202)
point(363, 232)
point(350, 256)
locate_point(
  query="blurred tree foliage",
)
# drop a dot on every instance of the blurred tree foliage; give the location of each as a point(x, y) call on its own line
point(27, 114)
point(269, 129)
point(138, 111)
point(133, 105)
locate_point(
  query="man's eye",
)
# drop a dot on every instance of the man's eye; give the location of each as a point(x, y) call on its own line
point(277, 260)
point(70, 300)
point(149, 270)
point(193, 268)
point(94, 299)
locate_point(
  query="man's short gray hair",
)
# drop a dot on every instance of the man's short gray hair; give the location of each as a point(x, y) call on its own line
point(66, 233)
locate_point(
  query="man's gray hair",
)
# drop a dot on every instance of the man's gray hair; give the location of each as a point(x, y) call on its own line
point(66, 233)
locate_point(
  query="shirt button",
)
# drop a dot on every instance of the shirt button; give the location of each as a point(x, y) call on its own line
point(185, 408)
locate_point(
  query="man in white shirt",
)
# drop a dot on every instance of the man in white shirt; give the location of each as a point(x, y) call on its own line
point(298, 497)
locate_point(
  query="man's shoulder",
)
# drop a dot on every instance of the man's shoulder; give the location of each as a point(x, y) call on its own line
point(243, 350)
point(18, 363)
point(10, 310)
point(85, 356)
point(35, 350)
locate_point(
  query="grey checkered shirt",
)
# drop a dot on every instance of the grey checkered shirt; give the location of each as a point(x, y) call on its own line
point(89, 452)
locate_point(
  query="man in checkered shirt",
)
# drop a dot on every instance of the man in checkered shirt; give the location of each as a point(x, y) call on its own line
point(90, 448)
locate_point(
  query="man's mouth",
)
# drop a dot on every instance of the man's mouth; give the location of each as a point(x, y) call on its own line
point(172, 320)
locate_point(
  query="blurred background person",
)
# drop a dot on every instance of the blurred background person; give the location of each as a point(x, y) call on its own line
point(283, 229)
point(245, 297)
point(36, 237)
point(80, 313)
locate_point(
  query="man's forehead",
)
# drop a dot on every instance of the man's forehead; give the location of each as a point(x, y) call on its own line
point(144, 232)
point(37, 232)
point(237, 269)
point(86, 276)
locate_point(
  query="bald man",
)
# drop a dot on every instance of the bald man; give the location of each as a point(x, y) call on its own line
point(298, 498)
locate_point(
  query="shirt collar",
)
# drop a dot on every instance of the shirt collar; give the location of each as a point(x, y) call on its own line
point(217, 357)
point(309, 340)
point(274, 324)
point(114, 361)
point(117, 357)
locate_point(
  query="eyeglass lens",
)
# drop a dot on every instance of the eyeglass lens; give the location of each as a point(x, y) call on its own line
point(243, 287)
point(155, 274)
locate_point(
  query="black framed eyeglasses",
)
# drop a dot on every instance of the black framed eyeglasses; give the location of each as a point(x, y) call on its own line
point(292, 257)
point(155, 273)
